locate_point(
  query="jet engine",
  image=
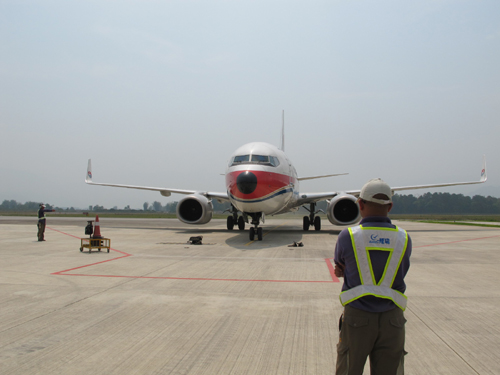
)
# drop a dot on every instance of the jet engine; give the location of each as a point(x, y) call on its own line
point(195, 209)
point(343, 210)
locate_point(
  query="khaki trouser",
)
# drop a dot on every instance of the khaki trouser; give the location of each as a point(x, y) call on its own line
point(381, 336)
point(41, 229)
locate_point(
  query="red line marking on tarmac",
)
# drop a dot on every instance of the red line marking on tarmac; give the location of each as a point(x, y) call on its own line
point(65, 272)
point(331, 268)
point(195, 278)
point(67, 234)
point(447, 243)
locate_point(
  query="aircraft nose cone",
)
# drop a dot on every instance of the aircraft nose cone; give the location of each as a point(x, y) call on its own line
point(246, 182)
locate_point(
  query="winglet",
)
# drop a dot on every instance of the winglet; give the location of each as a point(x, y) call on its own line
point(88, 177)
point(484, 176)
point(283, 131)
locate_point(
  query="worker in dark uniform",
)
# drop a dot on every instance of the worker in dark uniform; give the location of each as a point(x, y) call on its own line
point(373, 258)
point(41, 221)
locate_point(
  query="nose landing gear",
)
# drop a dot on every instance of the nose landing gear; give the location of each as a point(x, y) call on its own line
point(256, 230)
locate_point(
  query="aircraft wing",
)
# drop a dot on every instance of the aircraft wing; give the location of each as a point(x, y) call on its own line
point(305, 198)
point(315, 177)
point(166, 192)
point(482, 179)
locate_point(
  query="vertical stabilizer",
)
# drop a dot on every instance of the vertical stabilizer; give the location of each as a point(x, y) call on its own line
point(484, 176)
point(88, 178)
point(283, 131)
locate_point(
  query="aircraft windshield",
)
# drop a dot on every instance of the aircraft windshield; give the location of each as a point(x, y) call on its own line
point(262, 159)
point(255, 159)
point(241, 159)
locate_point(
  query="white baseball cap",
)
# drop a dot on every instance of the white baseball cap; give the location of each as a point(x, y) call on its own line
point(376, 187)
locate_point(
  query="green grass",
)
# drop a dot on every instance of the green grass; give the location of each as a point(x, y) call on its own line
point(445, 217)
point(461, 223)
point(474, 220)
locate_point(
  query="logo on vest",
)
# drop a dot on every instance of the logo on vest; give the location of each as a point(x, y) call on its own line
point(375, 239)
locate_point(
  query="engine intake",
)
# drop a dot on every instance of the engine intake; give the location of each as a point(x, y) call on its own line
point(195, 209)
point(343, 210)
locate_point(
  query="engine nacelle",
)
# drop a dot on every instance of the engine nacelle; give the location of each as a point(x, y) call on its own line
point(195, 209)
point(343, 210)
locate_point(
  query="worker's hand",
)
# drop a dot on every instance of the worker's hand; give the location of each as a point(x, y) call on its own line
point(339, 270)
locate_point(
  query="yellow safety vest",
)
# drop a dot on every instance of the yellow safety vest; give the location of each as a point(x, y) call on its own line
point(364, 239)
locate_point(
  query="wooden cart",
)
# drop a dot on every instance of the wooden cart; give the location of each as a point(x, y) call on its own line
point(95, 243)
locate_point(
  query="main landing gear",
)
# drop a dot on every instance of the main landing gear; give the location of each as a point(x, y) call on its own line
point(234, 219)
point(312, 219)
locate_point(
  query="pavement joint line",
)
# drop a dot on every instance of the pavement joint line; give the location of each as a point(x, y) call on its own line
point(444, 341)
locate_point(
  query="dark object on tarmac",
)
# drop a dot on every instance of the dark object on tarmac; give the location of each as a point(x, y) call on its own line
point(89, 229)
point(195, 240)
point(296, 244)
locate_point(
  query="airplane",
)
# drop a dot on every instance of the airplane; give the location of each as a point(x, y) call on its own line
point(261, 181)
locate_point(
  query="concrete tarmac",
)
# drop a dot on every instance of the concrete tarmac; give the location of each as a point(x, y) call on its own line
point(157, 305)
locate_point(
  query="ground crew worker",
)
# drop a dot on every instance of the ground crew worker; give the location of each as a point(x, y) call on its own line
point(373, 258)
point(41, 221)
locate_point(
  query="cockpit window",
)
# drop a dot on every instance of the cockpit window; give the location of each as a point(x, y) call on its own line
point(261, 159)
point(241, 159)
point(255, 159)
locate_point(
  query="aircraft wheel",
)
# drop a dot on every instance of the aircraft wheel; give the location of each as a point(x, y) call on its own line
point(230, 223)
point(317, 223)
point(252, 233)
point(305, 223)
point(259, 234)
point(241, 223)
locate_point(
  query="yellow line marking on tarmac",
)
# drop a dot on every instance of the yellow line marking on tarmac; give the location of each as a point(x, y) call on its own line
point(264, 234)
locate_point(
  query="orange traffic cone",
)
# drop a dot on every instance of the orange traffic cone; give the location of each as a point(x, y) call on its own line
point(97, 228)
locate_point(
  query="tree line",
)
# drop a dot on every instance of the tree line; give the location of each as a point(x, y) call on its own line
point(12, 205)
point(428, 203)
point(445, 203)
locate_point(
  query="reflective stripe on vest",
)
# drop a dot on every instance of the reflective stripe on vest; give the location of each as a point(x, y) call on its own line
point(363, 240)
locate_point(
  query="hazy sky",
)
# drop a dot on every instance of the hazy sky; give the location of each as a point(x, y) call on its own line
point(160, 93)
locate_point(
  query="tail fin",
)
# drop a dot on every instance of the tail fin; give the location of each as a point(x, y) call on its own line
point(88, 178)
point(484, 176)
